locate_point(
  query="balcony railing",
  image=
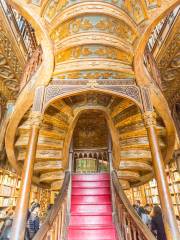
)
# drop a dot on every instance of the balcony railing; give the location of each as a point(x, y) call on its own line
point(161, 31)
point(158, 37)
point(31, 67)
point(21, 29)
point(90, 160)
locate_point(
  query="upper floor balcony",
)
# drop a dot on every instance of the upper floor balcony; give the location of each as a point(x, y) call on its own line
point(21, 30)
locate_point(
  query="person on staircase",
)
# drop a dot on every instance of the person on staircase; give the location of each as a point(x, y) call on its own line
point(157, 226)
point(139, 209)
point(33, 222)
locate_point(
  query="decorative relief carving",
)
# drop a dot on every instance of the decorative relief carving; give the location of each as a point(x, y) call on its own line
point(100, 82)
point(170, 52)
point(94, 7)
point(10, 69)
point(53, 91)
point(104, 24)
point(93, 74)
point(169, 65)
point(137, 10)
point(101, 38)
point(54, 6)
point(131, 91)
point(149, 119)
point(92, 83)
point(9, 54)
point(93, 51)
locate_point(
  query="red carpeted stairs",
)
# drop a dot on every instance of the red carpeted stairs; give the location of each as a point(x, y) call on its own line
point(91, 208)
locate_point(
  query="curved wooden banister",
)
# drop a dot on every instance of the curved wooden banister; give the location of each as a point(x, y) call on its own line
point(31, 67)
point(129, 225)
point(55, 224)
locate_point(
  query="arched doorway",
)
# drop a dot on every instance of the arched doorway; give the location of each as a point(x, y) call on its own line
point(90, 143)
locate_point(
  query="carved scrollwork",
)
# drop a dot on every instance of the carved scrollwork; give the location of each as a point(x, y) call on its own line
point(53, 91)
point(129, 91)
point(10, 69)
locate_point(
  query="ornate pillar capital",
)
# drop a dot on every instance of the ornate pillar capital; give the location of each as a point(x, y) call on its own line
point(36, 118)
point(149, 119)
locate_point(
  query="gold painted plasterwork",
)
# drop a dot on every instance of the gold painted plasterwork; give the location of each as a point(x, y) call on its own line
point(54, 7)
point(93, 51)
point(102, 24)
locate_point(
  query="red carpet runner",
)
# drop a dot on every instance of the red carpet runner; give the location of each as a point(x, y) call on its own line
point(91, 208)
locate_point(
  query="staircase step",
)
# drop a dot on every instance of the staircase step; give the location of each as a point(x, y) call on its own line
point(91, 177)
point(106, 208)
point(91, 184)
point(101, 199)
point(92, 234)
point(80, 220)
point(91, 191)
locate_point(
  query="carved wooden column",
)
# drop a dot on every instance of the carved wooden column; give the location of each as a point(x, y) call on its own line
point(19, 223)
point(169, 218)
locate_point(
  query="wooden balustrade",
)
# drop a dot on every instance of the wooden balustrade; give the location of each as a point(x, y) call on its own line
point(21, 29)
point(154, 45)
point(31, 67)
point(162, 30)
point(129, 225)
point(54, 227)
point(90, 160)
point(152, 68)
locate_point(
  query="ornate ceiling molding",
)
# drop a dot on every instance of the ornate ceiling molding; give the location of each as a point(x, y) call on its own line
point(53, 92)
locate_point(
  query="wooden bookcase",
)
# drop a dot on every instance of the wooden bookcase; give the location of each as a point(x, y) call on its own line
point(9, 189)
point(9, 192)
point(148, 193)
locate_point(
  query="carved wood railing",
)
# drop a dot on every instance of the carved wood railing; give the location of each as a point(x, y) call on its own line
point(31, 67)
point(158, 37)
point(54, 227)
point(152, 67)
point(162, 30)
point(98, 157)
point(21, 29)
point(128, 224)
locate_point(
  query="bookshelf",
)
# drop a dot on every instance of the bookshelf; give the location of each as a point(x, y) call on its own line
point(148, 193)
point(9, 192)
point(9, 186)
